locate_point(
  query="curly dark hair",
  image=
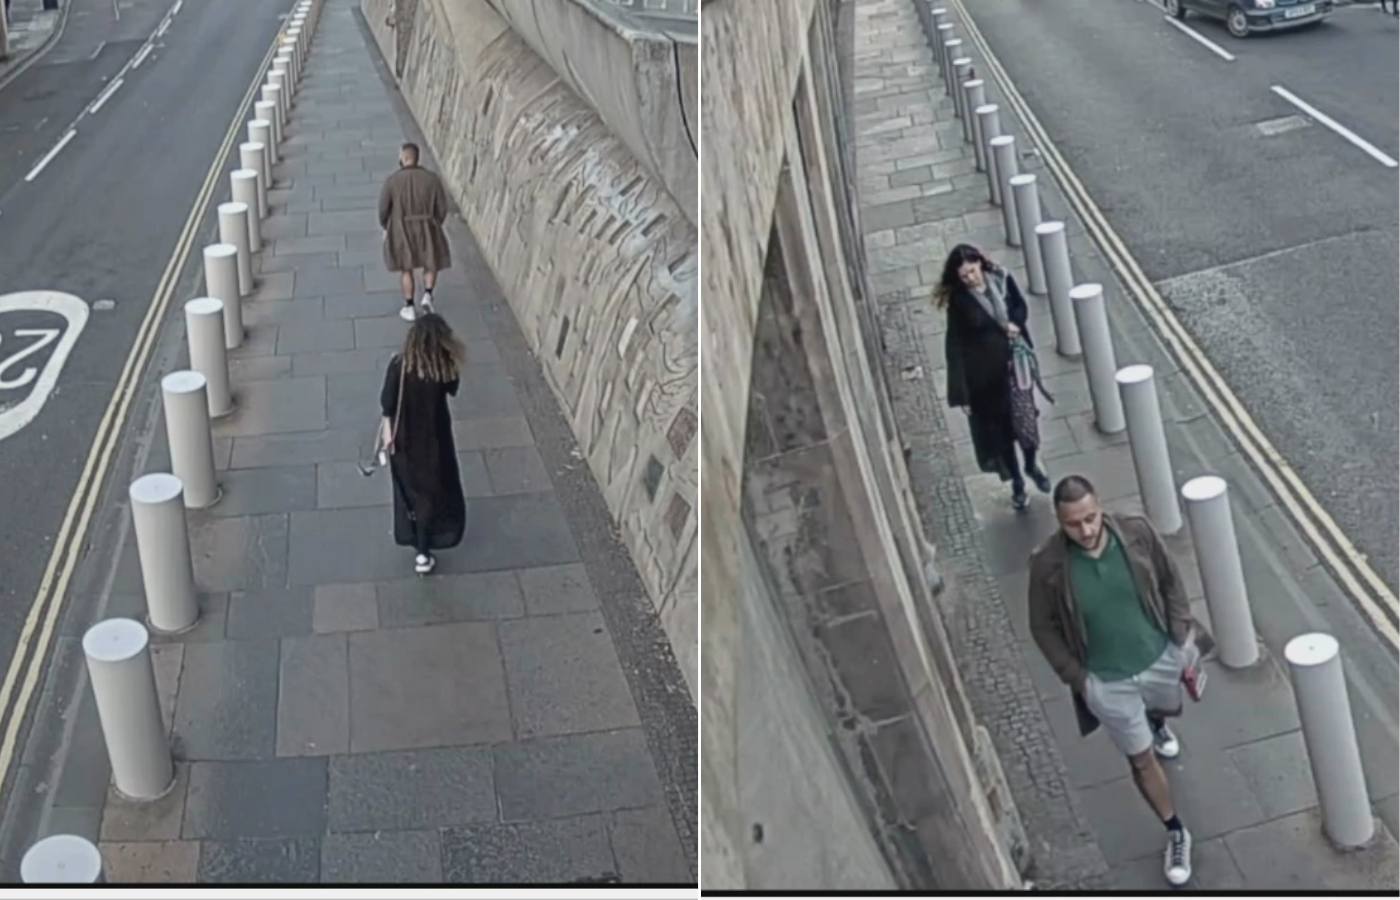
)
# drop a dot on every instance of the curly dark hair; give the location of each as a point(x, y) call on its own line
point(431, 351)
point(949, 281)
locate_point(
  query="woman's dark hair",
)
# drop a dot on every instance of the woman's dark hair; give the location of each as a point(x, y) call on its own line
point(431, 351)
point(959, 256)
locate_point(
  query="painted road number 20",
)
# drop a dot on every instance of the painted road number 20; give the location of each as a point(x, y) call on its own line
point(31, 323)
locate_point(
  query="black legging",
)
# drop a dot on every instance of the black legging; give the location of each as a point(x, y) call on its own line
point(1018, 481)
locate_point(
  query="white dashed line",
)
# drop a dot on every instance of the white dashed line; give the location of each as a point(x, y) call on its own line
point(141, 57)
point(105, 96)
point(175, 10)
point(98, 50)
point(48, 157)
point(164, 27)
point(1369, 148)
point(1201, 39)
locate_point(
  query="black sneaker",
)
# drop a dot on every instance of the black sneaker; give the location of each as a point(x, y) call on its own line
point(1042, 481)
point(1176, 862)
point(1019, 500)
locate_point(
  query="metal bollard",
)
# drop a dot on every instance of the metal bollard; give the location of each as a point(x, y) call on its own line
point(941, 35)
point(221, 280)
point(1054, 257)
point(1091, 320)
point(988, 127)
point(1004, 156)
point(243, 187)
point(962, 73)
point(974, 98)
point(1315, 664)
point(296, 34)
point(952, 49)
point(61, 859)
point(260, 132)
point(233, 229)
point(186, 399)
point(940, 16)
point(1147, 437)
point(287, 45)
point(271, 93)
point(204, 330)
point(163, 546)
point(278, 79)
point(286, 61)
point(1218, 557)
point(124, 685)
point(1025, 196)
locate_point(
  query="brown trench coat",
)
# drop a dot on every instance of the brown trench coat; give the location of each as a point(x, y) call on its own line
point(412, 208)
point(1055, 622)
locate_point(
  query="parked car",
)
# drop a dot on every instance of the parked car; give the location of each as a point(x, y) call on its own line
point(1243, 17)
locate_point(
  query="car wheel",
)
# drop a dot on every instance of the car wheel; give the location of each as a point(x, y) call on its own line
point(1237, 22)
point(1174, 8)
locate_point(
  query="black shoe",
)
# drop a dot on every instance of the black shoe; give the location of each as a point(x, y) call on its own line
point(1019, 500)
point(1042, 481)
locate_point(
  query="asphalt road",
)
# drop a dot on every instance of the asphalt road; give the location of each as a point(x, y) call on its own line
point(100, 221)
point(1275, 246)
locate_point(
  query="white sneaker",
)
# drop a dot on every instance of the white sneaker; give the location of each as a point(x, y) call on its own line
point(1166, 744)
point(407, 313)
point(427, 303)
point(1176, 862)
point(424, 563)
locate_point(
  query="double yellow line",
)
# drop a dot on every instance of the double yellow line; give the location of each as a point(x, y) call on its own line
point(35, 638)
point(1367, 588)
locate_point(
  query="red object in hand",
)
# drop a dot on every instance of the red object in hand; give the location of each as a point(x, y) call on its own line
point(1195, 679)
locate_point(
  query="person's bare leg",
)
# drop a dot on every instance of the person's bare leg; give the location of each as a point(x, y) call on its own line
point(429, 279)
point(1152, 783)
point(406, 282)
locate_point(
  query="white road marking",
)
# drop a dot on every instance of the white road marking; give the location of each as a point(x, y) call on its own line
point(105, 96)
point(75, 311)
point(175, 10)
point(1201, 39)
point(164, 27)
point(141, 57)
point(116, 10)
point(98, 50)
point(1370, 149)
point(48, 157)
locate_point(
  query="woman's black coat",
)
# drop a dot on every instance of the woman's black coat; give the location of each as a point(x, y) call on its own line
point(978, 353)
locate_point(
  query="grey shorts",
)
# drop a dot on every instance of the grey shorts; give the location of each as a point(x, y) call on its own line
point(1122, 706)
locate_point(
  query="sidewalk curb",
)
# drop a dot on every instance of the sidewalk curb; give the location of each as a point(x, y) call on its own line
point(34, 55)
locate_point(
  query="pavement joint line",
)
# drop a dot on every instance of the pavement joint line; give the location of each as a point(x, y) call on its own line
point(1344, 560)
point(1201, 39)
point(1346, 133)
point(54, 151)
point(44, 612)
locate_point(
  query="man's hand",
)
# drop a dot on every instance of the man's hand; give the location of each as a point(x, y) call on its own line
point(1012, 329)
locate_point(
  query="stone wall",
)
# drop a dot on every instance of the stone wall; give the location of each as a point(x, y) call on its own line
point(838, 746)
point(590, 245)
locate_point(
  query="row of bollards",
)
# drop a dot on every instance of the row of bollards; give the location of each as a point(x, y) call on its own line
point(1125, 398)
point(118, 650)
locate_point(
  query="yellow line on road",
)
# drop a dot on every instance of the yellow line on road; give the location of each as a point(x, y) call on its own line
point(1379, 603)
point(37, 634)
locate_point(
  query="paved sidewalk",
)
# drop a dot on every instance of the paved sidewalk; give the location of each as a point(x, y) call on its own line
point(336, 718)
point(30, 25)
point(1243, 783)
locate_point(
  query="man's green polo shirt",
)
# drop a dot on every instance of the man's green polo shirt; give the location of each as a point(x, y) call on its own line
point(1123, 641)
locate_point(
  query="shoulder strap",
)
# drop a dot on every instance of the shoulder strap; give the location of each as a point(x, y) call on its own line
point(398, 403)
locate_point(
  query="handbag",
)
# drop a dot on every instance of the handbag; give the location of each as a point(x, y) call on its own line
point(380, 456)
point(1023, 381)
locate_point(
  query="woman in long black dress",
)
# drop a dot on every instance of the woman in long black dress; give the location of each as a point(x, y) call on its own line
point(985, 313)
point(430, 511)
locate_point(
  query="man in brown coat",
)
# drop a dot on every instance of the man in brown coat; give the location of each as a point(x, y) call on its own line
point(1109, 611)
point(412, 208)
